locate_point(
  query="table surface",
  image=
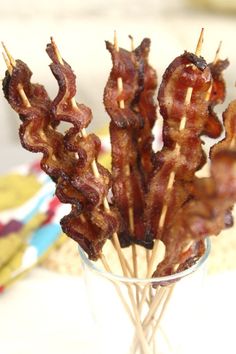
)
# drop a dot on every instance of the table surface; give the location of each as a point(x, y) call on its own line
point(48, 313)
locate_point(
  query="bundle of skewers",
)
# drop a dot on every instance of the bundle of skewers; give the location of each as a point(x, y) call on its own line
point(149, 198)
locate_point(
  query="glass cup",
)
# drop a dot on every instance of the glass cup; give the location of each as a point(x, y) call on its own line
point(145, 316)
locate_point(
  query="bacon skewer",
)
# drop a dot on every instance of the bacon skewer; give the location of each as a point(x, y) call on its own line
point(193, 250)
point(144, 104)
point(131, 213)
point(10, 64)
point(38, 134)
point(171, 179)
point(165, 186)
point(115, 239)
point(215, 94)
point(123, 262)
point(122, 106)
point(127, 127)
point(127, 168)
point(206, 214)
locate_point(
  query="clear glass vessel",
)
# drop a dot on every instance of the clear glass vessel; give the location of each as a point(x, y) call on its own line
point(134, 317)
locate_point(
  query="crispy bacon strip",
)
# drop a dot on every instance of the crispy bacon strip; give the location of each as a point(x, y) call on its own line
point(90, 225)
point(206, 215)
point(127, 187)
point(124, 67)
point(182, 153)
point(184, 72)
point(90, 229)
point(87, 148)
point(145, 104)
point(229, 141)
point(213, 127)
point(64, 157)
point(36, 131)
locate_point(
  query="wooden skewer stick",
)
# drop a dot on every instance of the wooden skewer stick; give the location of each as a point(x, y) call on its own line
point(172, 175)
point(154, 306)
point(9, 56)
point(124, 265)
point(127, 171)
point(142, 338)
point(108, 269)
point(208, 94)
point(232, 143)
point(147, 251)
point(127, 168)
point(148, 320)
point(134, 249)
point(131, 223)
point(8, 64)
point(164, 306)
point(11, 63)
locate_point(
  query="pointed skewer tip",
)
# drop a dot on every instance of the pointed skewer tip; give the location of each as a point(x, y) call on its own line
point(219, 46)
point(116, 41)
point(217, 53)
point(132, 42)
point(9, 56)
point(53, 43)
point(8, 64)
point(199, 44)
point(56, 50)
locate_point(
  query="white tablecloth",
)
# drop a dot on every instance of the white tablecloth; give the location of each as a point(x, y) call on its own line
point(47, 313)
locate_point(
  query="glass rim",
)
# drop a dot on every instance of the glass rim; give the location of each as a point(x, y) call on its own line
point(133, 280)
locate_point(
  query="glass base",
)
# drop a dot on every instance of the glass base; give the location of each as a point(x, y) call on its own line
point(133, 317)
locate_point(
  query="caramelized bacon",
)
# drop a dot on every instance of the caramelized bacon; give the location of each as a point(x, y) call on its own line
point(67, 159)
point(36, 131)
point(203, 216)
point(62, 105)
point(157, 194)
point(144, 104)
point(127, 174)
point(90, 230)
point(213, 127)
point(182, 153)
point(95, 225)
point(87, 148)
point(123, 67)
point(126, 183)
point(229, 141)
point(181, 75)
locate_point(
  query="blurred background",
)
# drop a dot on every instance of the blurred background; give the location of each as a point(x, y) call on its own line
point(80, 28)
